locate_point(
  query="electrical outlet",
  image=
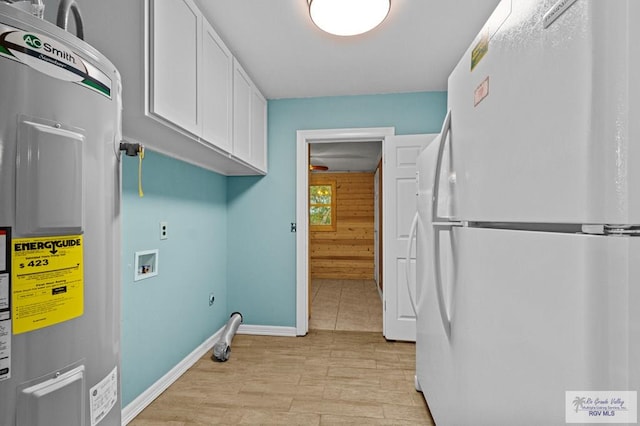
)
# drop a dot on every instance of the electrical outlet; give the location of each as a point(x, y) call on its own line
point(164, 230)
point(211, 299)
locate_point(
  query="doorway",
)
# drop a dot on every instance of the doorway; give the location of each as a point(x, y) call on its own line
point(342, 252)
point(304, 139)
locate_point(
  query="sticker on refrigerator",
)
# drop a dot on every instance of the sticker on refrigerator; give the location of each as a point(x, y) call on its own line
point(481, 48)
point(53, 58)
point(491, 27)
point(47, 285)
point(481, 92)
point(103, 397)
point(601, 407)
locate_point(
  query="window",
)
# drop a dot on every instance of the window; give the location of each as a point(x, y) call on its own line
point(322, 206)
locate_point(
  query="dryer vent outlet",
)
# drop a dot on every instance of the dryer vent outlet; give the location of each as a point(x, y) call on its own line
point(222, 349)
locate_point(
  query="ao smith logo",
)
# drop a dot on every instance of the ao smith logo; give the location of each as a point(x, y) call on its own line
point(32, 41)
point(35, 43)
point(52, 246)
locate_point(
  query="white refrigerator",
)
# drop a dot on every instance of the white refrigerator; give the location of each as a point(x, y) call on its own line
point(528, 293)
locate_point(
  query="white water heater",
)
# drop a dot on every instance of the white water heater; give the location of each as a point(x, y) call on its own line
point(60, 110)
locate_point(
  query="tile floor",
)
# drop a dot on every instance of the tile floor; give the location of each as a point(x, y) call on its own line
point(342, 372)
point(324, 378)
point(348, 305)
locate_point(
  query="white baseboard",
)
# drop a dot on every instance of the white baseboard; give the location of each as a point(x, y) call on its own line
point(266, 330)
point(136, 406)
point(145, 398)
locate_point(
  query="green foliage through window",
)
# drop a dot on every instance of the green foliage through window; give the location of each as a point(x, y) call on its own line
point(322, 205)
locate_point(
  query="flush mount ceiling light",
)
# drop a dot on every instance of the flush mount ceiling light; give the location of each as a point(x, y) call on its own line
point(348, 17)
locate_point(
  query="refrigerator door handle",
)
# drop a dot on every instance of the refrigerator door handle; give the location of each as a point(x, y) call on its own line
point(438, 223)
point(437, 275)
point(407, 265)
point(446, 128)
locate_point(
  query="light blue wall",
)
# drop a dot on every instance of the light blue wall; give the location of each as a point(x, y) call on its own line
point(261, 247)
point(164, 318)
point(229, 236)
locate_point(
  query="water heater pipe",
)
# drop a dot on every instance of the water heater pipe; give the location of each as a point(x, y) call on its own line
point(64, 8)
point(37, 7)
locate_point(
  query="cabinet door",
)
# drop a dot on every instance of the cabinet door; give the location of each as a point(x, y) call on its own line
point(175, 51)
point(258, 130)
point(241, 113)
point(216, 89)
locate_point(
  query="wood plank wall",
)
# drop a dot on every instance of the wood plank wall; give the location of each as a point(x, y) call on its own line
point(348, 252)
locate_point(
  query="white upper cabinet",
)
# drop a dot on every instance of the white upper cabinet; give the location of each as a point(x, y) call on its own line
point(249, 120)
point(241, 113)
point(175, 56)
point(177, 77)
point(216, 89)
point(258, 130)
point(197, 88)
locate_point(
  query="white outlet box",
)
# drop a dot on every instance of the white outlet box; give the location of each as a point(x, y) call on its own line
point(164, 230)
point(146, 264)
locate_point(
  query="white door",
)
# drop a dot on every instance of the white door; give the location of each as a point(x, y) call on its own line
point(398, 210)
point(580, 169)
point(532, 316)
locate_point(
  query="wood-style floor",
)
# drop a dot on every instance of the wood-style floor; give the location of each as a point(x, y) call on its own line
point(326, 377)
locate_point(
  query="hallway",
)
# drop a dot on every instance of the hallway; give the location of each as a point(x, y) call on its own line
point(346, 305)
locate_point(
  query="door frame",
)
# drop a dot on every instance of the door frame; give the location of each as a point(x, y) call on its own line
point(303, 139)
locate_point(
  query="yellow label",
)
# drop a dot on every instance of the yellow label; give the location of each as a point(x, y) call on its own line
point(48, 282)
point(480, 49)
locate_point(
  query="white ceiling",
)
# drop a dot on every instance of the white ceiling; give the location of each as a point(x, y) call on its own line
point(346, 156)
point(413, 50)
point(286, 56)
